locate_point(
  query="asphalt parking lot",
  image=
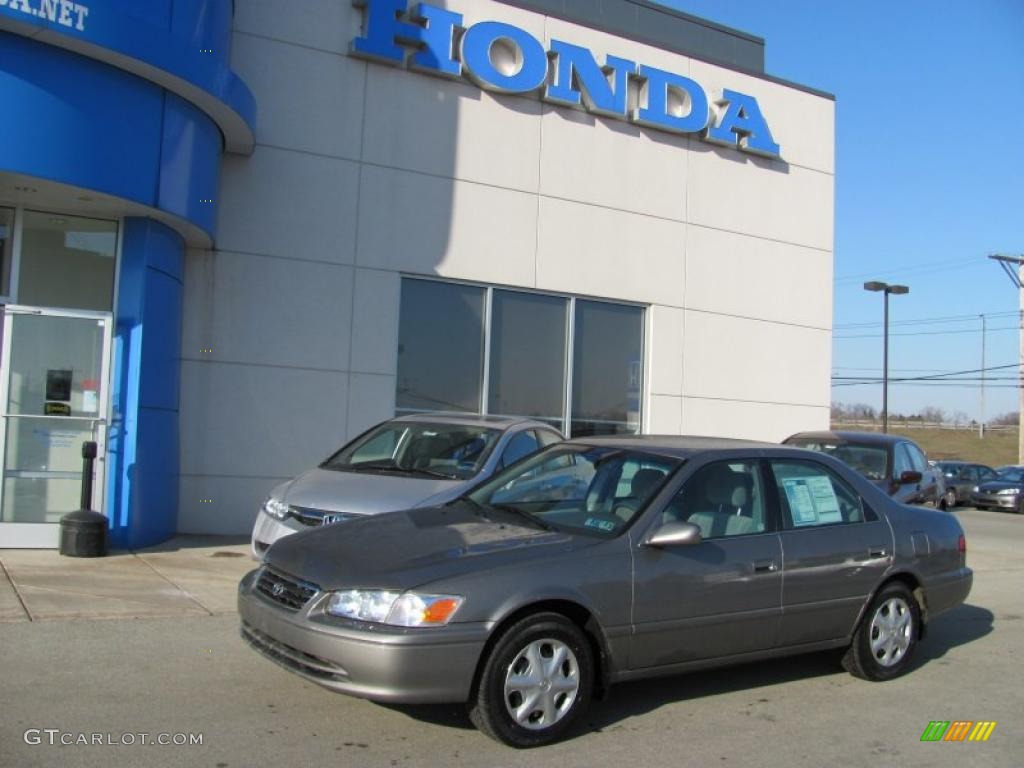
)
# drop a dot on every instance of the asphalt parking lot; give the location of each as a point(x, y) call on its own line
point(191, 674)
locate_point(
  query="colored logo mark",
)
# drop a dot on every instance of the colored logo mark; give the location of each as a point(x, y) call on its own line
point(958, 730)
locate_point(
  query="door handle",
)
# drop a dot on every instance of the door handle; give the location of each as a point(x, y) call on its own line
point(765, 566)
point(876, 552)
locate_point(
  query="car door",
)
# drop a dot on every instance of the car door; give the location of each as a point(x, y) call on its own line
point(719, 597)
point(835, 550)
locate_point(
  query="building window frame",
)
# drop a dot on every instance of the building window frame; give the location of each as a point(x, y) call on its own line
point(569, 344)
point(17, 242)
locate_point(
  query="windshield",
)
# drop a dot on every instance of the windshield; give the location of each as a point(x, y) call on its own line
point(872, 461)
point(1011, 474)
point(578, 487)
point(950, 470)
point(450, 451)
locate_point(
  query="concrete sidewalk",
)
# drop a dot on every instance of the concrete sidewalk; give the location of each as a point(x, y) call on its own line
point(186, 576)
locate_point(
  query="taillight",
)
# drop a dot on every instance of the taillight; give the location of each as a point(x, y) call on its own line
point(962, 544)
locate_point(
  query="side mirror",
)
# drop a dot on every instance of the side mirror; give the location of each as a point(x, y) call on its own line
point(673, 535)
point(910, 477)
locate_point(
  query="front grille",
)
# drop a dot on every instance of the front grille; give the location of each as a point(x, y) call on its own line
point(315, 517)
point(285, 590)
point(292, 658)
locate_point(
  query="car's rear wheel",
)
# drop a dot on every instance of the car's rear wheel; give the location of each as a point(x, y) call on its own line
point(950, 498)
point(887, 635)
point(535, 682)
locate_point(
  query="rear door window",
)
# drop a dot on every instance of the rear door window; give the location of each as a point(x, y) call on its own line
point(812, 495)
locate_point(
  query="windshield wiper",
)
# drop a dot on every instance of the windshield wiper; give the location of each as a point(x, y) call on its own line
point(390, 466)
point(523, 515)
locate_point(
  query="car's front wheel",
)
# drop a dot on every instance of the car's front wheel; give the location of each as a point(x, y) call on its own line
point(887, 635)
point(535, 682)
point(950, 498)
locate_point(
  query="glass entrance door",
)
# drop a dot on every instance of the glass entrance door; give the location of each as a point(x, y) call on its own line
point(53, 398)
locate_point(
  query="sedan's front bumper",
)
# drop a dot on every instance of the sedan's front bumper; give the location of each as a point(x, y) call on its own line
point(1000, 500)
point(269, 529)
point(391, 664)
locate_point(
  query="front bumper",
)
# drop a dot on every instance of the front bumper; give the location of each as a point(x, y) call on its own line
point(1003, 501)
point(390, 664)
point(269, 529)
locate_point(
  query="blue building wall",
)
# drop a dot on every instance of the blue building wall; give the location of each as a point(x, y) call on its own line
point(135, 100)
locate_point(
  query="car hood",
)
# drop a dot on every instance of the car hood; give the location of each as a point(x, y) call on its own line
point(997, 485)
point(367, 493)
point(405, 549)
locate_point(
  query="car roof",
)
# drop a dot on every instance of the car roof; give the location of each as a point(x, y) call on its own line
point(679, 446)
point(473, 420)
point(866, 438)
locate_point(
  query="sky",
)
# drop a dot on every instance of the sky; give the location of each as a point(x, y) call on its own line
point(929, 182)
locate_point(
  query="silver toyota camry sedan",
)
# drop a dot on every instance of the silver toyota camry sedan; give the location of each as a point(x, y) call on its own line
point(601, 560)
point(407, 462)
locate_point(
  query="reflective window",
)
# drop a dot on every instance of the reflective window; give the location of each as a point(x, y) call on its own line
point(872, 461)
point(447, 329)
point(417, 448)
point(527, 364)
point(901, 461)
point(6, 245)
point(546, 438)
point(440, 347)
point(67, 261)
point(587, 489)
point(722, 499)
point(607, 369)
point(811, 495)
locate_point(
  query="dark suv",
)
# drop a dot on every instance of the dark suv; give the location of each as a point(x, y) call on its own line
point(895, 464)
point(962, 479)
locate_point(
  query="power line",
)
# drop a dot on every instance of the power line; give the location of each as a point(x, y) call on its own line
point(911, 269)
point(926, 320)
point(925, 333)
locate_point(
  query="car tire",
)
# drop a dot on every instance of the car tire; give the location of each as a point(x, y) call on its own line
point(887, 636)
point(949, 497)
point(544, 658)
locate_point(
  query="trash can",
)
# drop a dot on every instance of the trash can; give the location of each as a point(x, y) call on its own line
point(84, 533)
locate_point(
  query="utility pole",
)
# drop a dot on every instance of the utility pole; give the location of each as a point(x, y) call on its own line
point(981, 422)
point(1016, 276)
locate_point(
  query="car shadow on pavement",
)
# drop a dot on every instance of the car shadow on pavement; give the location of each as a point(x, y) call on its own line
point(960, 626)
point(964, 624)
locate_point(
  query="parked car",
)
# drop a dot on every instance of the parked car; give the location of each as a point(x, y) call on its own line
point(1006, 491)
point(672, 554)
point(403, 463)
point(962, 479)
point(895, 464)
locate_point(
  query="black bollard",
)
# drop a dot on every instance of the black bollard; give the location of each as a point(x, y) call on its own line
point(84, 533)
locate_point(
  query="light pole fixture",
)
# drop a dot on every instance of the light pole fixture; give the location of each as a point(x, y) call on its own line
point(886, 289)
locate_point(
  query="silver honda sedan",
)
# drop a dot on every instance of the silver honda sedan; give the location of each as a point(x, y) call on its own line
point(600, 560)
point(407, 462)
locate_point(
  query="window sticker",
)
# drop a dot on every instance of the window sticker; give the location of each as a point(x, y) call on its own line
point(604, 525)
point(812, 500)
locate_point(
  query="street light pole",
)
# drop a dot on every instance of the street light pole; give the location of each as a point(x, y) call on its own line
point(981, 422)
point(886, 289)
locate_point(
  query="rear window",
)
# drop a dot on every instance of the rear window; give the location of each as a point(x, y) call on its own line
point(872, 461)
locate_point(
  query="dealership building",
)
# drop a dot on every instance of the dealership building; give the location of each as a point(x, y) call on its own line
point(235, 235)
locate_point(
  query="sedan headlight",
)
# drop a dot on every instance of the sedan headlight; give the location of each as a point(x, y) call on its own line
point(275, 508)
point(408, 609)
point(1007, 492)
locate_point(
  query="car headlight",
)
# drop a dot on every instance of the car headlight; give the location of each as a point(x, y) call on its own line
point(275, 508)
point(1007, 492)
point(408, 609)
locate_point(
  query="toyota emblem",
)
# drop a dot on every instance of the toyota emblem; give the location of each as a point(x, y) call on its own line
point(277, 590)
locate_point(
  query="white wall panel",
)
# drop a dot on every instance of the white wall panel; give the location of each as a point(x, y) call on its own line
point(289, 204)
point(416, 223)
point(257, 309)
point(256, 421)
point(769, 422)
point(613, 254)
